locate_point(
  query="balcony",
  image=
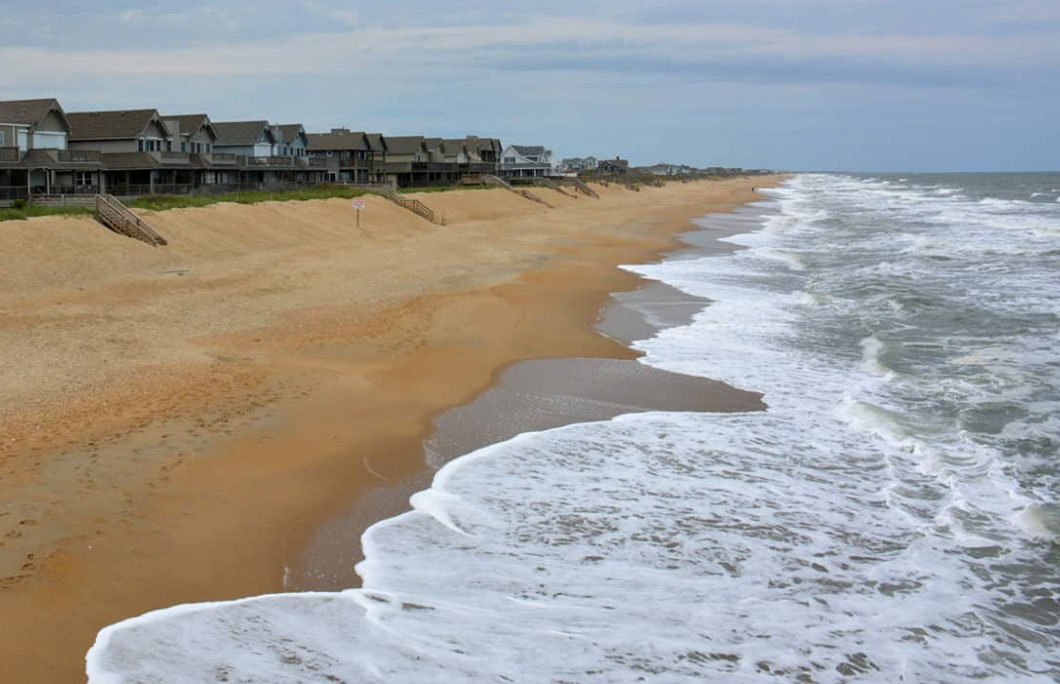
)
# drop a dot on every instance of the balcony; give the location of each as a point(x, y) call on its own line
point(172, 157)
point(224, 158)
point(81, 156)
point(271, 161)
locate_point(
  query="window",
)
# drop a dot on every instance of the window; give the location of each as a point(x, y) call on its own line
point(83, 179)
point(139, 144)
point(1, 138)
point(183, 147)
point(509, 160)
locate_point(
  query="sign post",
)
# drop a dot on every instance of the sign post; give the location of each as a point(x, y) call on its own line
point(358, 204)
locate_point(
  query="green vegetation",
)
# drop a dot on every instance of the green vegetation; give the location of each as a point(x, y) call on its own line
point(163, 202)
point(27, 211)
point(445, 188)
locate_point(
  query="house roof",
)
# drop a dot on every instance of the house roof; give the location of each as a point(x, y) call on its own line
point(529, 150)
point(288, 132)
point(191, 123)
point(338, 139)
point(623, 163)
point(483, 144)
point(432, 143)
point(376, 142)
point(242, 132)
point(112, 125)
point(453, 145)
point(29, 112)
point(404, 144)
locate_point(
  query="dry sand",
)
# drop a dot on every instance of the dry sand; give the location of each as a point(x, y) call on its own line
point(175, 423)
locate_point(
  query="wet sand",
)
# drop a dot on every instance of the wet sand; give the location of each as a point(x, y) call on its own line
point(178, 424)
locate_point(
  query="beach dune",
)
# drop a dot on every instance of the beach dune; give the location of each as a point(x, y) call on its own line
point(175, 422)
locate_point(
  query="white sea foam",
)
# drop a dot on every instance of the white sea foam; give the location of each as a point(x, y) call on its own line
point(838, 535)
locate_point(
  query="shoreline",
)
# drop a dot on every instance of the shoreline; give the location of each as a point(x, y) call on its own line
point(212, 494)
point(542, 394)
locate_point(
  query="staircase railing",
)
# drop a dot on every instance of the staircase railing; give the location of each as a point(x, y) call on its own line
point(116, 216)
point(582, 186)
point(547, 183)
point(488, 179)
point(413, 205)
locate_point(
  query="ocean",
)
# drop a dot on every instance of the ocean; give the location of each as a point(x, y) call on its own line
point(892, 516)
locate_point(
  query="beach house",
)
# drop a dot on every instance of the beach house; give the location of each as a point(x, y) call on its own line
point(33, 136)
point(350, 156)
point(525, 161)
point(576, 164)
point(407, 161)
point(617, 166)
point(136, 151)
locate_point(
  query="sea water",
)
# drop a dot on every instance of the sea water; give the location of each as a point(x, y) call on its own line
point(893, 516)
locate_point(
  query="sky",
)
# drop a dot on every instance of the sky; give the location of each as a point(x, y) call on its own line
point(855, 85)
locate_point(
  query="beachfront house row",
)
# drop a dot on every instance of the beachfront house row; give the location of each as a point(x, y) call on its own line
point(525, 161)
point(664, 169)
point(351, 156)
point(617, 165)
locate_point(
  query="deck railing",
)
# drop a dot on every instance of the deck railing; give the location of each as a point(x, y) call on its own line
point(13, 192)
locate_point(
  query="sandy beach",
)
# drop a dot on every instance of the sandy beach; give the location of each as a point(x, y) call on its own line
point(179, 424)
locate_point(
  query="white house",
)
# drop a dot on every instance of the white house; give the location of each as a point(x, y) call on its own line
point(525, 161)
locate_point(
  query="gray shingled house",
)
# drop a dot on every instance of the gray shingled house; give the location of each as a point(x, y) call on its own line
point(350, 156)
point(136, 148)
point(33, 138)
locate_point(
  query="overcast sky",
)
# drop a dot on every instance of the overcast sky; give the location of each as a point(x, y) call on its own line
point(869, 85)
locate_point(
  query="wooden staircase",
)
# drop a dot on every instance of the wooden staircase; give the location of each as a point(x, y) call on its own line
point(581, 186)
point(488, 179)
point(116, 216)
point(546, 183)
point(413, 205)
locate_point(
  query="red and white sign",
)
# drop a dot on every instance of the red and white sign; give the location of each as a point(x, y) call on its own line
point(358, 203)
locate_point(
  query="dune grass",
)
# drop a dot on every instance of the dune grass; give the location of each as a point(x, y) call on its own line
point(163, 202)
point(29, 211)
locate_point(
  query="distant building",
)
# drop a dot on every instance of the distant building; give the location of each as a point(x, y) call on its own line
point(579, 164)
point(616, 165)
point(525, 161)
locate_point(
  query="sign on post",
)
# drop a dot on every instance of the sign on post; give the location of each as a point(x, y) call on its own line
point(358, 204)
